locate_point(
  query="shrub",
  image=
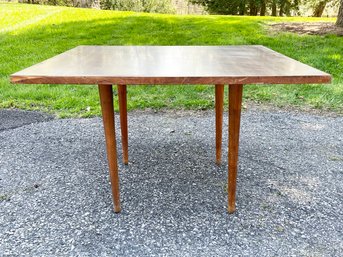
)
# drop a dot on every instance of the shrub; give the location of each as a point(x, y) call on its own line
point(156, 6)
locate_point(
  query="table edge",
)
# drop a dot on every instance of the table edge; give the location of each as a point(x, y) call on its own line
point(312, 79)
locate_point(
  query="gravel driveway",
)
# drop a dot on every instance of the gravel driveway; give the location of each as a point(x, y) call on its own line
point(55, 195)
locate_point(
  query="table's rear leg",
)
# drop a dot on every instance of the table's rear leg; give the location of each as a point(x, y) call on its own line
point(219, 99)
point(106, 100)
point(235, 102)
point(123, 121)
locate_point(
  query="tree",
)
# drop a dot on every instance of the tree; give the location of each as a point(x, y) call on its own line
point(319, 8)
point(251, 7)
point(339, 21)
point(263, 7)
point(274, 8)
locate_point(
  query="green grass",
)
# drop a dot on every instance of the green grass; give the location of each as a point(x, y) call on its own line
point(32, 33)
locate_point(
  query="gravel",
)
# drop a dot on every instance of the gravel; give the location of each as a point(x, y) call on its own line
point(55, 197)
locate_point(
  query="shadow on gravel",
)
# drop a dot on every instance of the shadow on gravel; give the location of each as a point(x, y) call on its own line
point(12, 118)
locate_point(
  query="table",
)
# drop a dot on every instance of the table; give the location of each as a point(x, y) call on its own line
point(161, 65)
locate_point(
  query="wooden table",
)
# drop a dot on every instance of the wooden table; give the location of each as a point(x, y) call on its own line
point(160, 65)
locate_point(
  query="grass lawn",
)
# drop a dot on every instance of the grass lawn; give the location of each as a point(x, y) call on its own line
point(32, 33)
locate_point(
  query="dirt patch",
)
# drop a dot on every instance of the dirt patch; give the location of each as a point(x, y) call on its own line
point(308, 28)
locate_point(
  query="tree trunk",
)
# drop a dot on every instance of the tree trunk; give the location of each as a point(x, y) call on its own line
point(282, 6)
point(339, 21)
point(319, 9)
point(287, 8)
point(253, 8)
point(242, 8)
point(263, 8)
point(274, 8)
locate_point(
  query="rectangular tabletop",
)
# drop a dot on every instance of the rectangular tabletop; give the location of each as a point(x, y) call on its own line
point(170, 65)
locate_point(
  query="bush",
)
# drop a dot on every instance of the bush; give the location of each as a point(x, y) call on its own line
point(74, 3)
point(156, 6)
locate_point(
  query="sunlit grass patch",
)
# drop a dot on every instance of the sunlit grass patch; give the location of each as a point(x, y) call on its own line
point(32, 33)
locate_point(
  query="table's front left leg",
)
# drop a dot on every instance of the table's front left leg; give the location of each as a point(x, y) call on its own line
point(235, 103)
point(106, 100)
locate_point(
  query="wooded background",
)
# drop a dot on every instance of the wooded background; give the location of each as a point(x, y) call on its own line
point(315, 8)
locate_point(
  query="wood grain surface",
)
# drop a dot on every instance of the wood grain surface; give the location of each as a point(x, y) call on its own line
point(170, 65)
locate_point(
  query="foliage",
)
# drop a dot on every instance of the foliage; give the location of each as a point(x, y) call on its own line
point(74, 3)
point(265, 7)
point(251, 7)
point(123, 5)
point(32, 33)
point(339, 21)
point(234, 7)
point(155, 6)
point(318, 6)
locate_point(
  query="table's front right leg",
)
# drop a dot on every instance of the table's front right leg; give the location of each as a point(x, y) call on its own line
point(235, 102)
point(106, 100)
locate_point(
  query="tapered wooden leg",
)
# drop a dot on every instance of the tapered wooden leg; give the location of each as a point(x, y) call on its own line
point(219, 95)
point(123, 122)
point(235, 102)
point(106, 100)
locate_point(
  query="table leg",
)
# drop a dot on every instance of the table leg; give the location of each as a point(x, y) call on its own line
point(123, 121)
point(219, 100)
point(235, 102)
point(106, 100)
